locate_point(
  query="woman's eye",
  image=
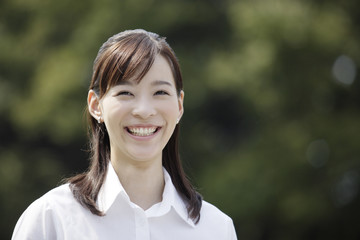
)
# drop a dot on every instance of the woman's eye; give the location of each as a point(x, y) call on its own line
point(161, 92)
point(124, 93)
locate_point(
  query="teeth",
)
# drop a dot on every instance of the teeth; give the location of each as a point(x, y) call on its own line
point(142, 131)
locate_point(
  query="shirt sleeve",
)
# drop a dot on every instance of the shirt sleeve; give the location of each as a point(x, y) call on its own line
point(35, 223)
point(232, 232)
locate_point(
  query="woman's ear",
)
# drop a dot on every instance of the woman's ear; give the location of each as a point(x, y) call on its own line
point(94, 105)
point(181, 105)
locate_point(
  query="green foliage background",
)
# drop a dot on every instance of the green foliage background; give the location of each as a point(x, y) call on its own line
point(270, 133)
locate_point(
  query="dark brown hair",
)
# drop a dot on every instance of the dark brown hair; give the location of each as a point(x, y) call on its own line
point(130, 54)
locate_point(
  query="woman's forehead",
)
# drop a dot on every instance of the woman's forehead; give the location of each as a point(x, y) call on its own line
point(158, 68)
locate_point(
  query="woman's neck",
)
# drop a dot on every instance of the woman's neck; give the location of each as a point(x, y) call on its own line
point(144, 183)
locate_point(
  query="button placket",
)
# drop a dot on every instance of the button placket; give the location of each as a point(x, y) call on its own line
point(142, 225)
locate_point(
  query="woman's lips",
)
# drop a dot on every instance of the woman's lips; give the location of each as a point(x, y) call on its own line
point(142, 131)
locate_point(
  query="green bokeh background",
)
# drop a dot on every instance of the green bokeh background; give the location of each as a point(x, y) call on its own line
point(271, 131)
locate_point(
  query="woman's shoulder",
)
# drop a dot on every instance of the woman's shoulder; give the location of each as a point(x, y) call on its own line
point(215, 222)
point(59, 192)
point(209, 210)
point(38, 220)
point(58, 195)
point(55, 200)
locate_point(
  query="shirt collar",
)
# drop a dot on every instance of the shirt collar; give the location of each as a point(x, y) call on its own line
point(112, 188)
point(171, 199)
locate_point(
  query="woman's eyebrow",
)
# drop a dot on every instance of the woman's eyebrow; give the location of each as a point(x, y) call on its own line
point(161, 82)
point(125, 83)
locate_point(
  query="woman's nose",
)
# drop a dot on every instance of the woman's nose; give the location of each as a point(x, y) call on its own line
point(143, 108)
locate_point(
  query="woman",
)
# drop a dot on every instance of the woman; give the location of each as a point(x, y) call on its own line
point(135, 187)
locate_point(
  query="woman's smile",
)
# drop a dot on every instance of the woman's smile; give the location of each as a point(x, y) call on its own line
point(144, 132)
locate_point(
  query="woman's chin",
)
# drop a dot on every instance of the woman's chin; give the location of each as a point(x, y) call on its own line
point(146, 156)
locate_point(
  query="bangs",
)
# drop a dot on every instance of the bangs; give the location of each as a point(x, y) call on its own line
point(123, 58)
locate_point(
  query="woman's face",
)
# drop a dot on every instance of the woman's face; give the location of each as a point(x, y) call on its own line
point(140, 117)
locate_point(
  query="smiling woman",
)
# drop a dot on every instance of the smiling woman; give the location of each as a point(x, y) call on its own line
point(135, 187)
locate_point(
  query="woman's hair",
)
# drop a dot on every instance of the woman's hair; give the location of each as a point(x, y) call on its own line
point(129, 54)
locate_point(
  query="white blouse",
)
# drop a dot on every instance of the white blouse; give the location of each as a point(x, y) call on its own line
point(58, 215)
